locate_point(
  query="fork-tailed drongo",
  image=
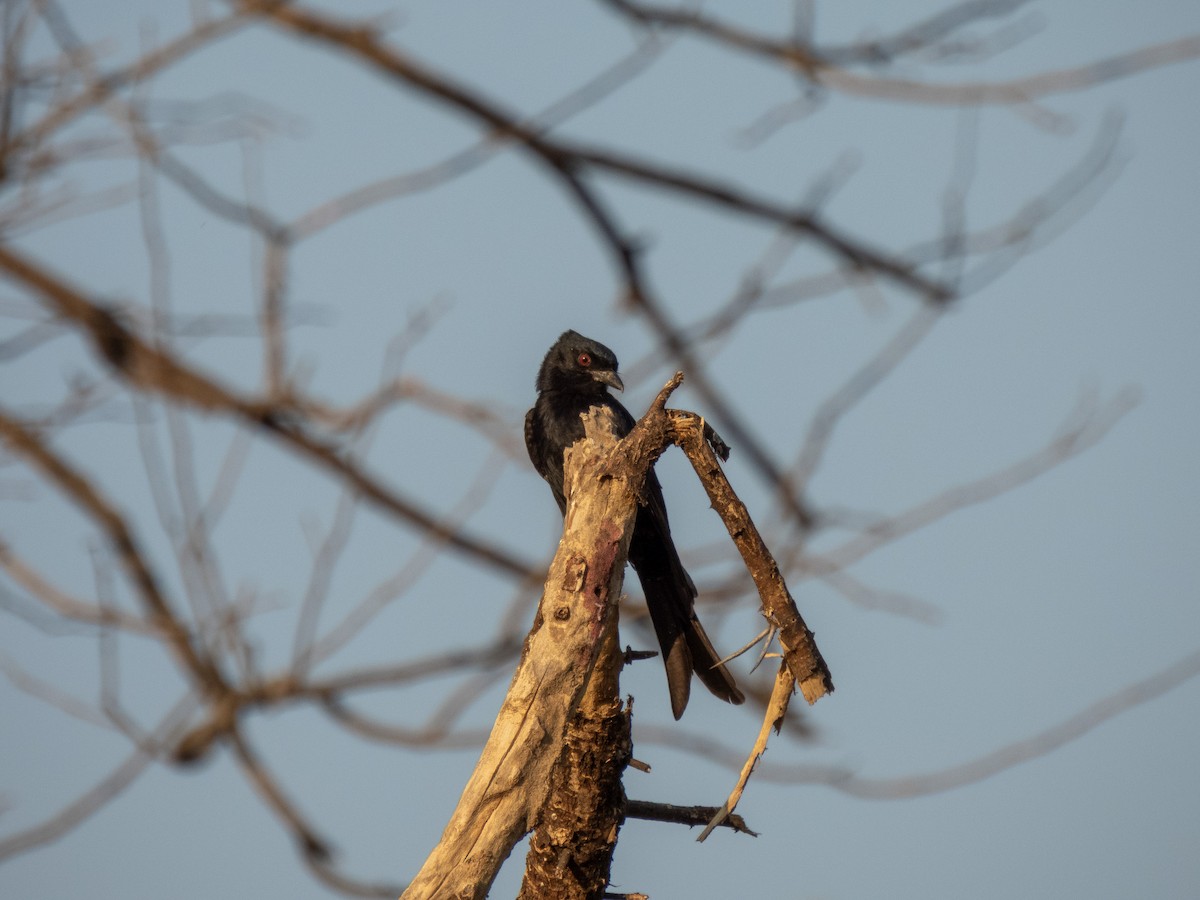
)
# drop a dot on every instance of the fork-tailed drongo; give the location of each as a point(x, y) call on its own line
point(575, 376)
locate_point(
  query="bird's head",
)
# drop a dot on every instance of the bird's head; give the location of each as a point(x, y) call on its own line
point(577, 363)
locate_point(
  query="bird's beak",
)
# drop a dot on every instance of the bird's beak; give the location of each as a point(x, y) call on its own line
point(609, 377)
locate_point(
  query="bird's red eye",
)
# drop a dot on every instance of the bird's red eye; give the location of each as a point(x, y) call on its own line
point(585, 359)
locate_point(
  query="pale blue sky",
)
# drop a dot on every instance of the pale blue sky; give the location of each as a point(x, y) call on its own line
point(1051, 597)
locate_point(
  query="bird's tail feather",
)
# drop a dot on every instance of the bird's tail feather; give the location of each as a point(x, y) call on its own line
point(670, 597)
point(676, 650)
point(707, 664)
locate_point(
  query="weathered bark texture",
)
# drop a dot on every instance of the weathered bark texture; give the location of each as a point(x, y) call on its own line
point(570, 853)
point(804, 660)
point(507, 791)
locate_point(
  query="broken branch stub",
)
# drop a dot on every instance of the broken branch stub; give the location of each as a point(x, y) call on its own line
point(804, 660)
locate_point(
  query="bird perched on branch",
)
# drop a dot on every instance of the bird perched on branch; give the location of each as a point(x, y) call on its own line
point(574, 377)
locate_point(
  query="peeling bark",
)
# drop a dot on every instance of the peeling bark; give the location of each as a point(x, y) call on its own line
point(570, 853)
point(505, 796)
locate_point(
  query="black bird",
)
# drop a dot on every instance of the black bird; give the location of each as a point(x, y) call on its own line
point(575, 376)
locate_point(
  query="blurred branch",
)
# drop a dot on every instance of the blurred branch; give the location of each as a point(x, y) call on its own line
point(841, 401)
point(93, 800)
point(124, 545)
point(826, 69)
point(997, 247)
point(312, 845)
point(974, 771)
point(97, 91)
point(65, 605)
point(594, 90)
point(52, 694)
point(153, 370)
point(1082, 430)
point(922, 35)
point(1022, 751)
point(565, 161)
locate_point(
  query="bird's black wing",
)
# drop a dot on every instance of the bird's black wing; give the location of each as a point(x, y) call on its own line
point(546, 456)
point(551, 426)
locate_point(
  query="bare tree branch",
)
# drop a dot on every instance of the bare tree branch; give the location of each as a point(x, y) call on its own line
point(826, 70)
point(152, 370)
